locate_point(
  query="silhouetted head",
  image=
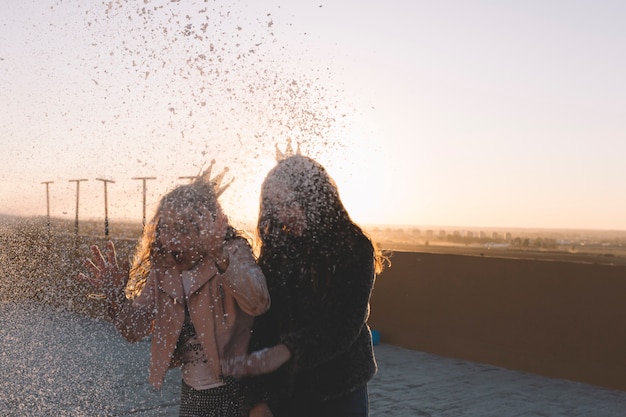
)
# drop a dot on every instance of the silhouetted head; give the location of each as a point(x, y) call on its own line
point(299, 198)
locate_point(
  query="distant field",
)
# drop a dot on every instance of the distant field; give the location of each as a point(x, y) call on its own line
point(556, 255)
point(604, 247)
point(567, 245)
point(30, 250)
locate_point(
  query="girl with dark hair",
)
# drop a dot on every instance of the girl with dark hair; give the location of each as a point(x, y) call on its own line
point(320, 269)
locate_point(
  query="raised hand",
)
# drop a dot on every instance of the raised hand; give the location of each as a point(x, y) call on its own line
point(105, 274)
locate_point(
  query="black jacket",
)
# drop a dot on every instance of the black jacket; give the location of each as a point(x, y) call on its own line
point(322, 321)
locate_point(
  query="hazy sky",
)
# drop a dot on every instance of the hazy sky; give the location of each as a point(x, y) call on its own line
point(462, 113)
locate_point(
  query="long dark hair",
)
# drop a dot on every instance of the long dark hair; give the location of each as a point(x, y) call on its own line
point(329, 231)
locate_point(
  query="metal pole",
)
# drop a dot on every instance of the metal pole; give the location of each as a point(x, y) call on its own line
point(48, 204)
point(77, 199)
point(143, 179)
point(106, 206)
point(189, 177)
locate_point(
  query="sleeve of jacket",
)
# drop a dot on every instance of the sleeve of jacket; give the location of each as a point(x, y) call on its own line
point(245, 280)
point(135, 319)
point(340, 321)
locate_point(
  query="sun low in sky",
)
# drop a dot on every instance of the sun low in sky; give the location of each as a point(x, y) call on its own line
point(467, 113)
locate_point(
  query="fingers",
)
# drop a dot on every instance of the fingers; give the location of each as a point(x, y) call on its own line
point(94, 273)
point(88, 279)
point(91, 267)
point(104, 274)
point(111, 254)
point(100, 265)
point(98, 260)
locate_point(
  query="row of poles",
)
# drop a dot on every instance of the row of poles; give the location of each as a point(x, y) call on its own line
point(106, 203)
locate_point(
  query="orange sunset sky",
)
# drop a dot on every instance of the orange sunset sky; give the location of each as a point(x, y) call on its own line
point(470, 113)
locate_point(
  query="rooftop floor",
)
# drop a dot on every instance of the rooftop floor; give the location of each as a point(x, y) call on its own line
point(56, 363)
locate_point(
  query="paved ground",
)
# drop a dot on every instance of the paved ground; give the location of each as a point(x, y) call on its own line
point(58, 364)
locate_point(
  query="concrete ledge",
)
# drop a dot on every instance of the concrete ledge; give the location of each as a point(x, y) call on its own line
point(553, 318)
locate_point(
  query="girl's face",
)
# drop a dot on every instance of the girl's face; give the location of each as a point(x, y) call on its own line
point(281, 202)
point(187, 235)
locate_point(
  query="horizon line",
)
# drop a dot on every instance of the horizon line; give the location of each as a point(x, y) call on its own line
point(369, 225)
